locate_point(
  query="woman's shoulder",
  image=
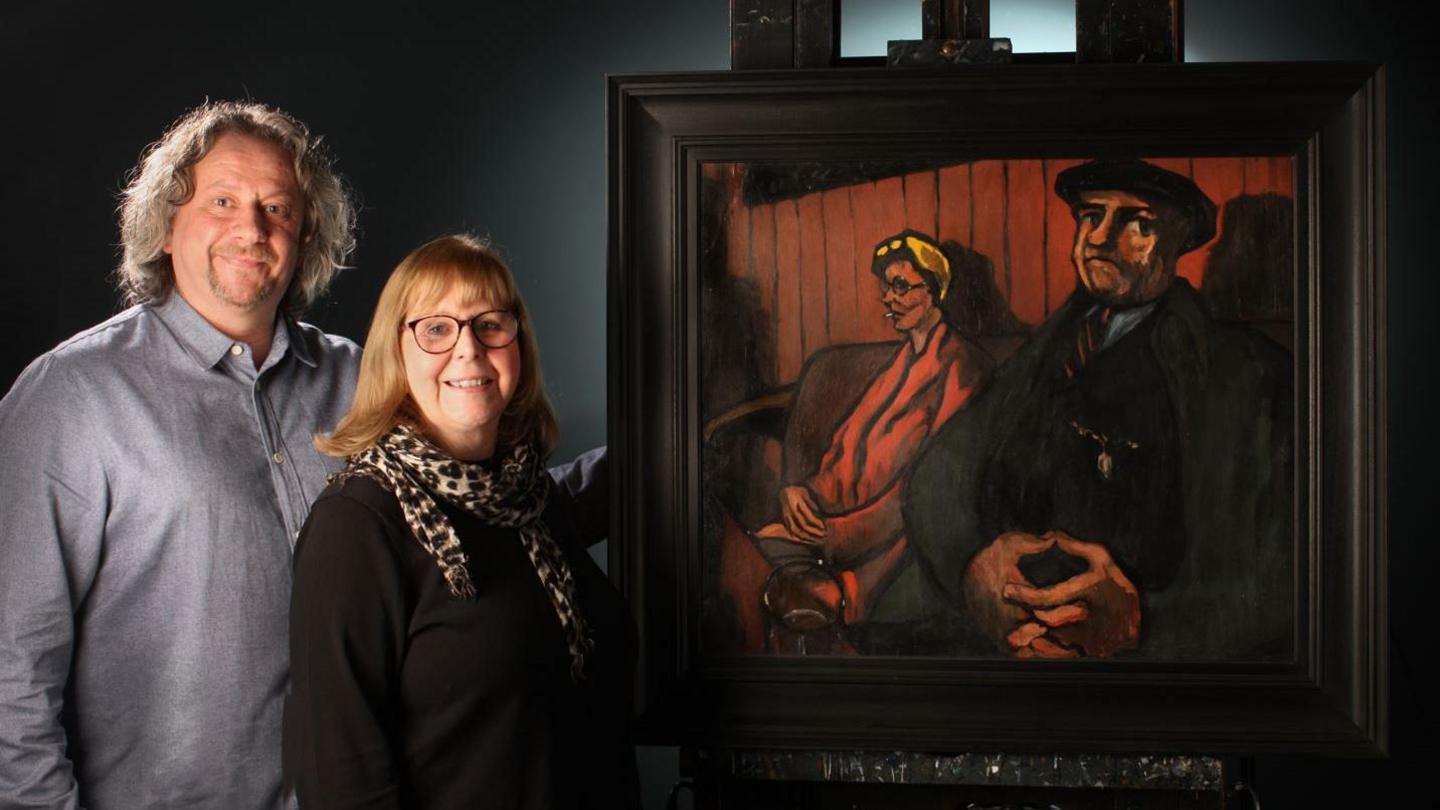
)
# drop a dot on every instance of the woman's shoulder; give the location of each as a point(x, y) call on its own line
point(360, 487)
point(957, 348)
point(358, 492)
point(350, 510)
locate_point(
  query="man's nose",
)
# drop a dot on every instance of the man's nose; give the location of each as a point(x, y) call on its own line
point(252, 223)
point(1102, 232)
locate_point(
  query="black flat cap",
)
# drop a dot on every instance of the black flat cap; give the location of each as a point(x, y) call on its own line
point(1148, 181)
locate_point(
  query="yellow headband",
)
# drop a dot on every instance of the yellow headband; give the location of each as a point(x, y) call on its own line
point(927, 255)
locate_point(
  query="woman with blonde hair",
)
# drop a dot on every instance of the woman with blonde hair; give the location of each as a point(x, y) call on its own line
point(452, 643)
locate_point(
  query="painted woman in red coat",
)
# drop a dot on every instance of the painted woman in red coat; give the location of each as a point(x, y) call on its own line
point(840, 539)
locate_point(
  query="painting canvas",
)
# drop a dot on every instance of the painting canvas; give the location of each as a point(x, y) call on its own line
point(903, 416)
point(983, 411)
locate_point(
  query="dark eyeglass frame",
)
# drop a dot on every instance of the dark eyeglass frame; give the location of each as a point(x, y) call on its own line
point(900, 286)
point(460, 326)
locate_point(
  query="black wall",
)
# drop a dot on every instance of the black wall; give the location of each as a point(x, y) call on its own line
point(481, 116)
point(488, 117)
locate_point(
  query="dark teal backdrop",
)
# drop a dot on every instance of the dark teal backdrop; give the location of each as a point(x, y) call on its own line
point(488, 117)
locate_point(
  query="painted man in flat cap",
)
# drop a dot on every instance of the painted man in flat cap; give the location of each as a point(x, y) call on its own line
point(1126, 483)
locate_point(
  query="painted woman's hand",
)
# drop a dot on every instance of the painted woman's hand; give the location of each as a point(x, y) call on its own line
point(801, 515)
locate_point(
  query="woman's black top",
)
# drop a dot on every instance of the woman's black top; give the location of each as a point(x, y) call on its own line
point(405, 697)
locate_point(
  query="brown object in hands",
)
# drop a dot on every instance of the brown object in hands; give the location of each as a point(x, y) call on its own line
point(1129, 31)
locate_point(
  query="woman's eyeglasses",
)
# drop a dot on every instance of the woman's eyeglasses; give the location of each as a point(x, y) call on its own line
point(898, 285)
point(437, 334)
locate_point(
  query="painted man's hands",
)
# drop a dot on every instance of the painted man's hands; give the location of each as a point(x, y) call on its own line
point(994, 568)
point(801, 515)
point(1094, 613)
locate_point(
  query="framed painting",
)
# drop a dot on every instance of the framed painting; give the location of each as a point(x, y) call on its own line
point(1025, 407)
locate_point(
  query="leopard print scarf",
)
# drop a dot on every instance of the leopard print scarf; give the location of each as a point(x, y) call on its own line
point(512, 497)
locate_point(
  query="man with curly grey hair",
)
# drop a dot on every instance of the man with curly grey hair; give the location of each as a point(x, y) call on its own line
point(157, 468)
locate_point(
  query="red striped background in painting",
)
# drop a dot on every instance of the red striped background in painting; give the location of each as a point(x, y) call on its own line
point(762, 263)
point(989, 200)
point(956, 213)
point(921, 204)
point(1059, 238)
point(809, 259)
point(1025, 235)
point(789, 303)
point(844, 307)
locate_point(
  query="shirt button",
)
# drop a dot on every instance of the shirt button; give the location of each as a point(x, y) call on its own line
point(278, 458)
point(236, 349)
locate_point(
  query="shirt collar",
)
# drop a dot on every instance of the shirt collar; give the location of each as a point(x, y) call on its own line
point(296, 342)
point(208, 345)
point(1124, 320)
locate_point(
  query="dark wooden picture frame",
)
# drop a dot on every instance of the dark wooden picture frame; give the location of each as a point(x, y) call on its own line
point(1329, 697)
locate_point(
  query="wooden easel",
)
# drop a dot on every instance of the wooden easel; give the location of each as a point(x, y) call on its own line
point(779, 34)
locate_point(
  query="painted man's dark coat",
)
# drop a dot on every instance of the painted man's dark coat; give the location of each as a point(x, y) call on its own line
point(1196, 417)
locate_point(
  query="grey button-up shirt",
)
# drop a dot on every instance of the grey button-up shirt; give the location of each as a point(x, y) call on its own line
point(152, 483)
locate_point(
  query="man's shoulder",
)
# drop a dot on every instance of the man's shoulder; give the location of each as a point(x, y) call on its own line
point(1241, 358)
point(86, 355)
point(325, 347)
point(96, 343)
point(1224, 345)
point(64, 390)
